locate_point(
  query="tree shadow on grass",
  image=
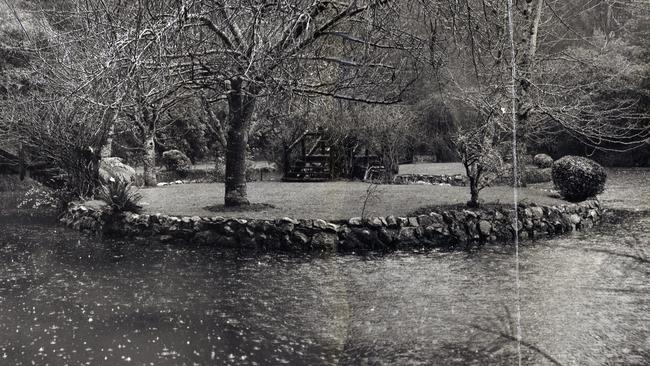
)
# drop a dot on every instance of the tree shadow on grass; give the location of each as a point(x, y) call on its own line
point(253, 207)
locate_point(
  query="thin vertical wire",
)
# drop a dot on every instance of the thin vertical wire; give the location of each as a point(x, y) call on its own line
point(513, 93)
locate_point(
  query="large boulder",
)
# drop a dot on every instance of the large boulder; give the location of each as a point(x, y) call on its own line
point(577, 178)
point(97, 205)
point(543, 161)
point(115, 168)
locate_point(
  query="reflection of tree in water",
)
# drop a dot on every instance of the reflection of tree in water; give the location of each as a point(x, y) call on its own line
point(504, 329)
point(493, 344)
point(443, 354)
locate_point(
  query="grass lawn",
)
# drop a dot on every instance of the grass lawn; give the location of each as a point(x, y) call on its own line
point(328, 200)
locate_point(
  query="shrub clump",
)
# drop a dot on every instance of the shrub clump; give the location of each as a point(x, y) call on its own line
point(119, 195)
point(177, 162)
point(577, 178)
point(40, 197)
point(543, 161)
point(533, 176)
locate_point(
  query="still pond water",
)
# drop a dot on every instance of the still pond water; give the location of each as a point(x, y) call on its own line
point(585, 299)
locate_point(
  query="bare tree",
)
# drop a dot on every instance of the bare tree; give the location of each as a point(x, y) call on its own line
point(478, 147)
point(142, 40)
point(562, 82)
point(62, 121)
point(243, 52)
point(386, 131)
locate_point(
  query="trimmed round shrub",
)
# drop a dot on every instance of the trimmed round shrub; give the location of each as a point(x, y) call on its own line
point(177, 162)
point(578, 178)
point(543, 161)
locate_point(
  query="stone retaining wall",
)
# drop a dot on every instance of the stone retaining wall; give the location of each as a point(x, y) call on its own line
point(453, 180)
point(445, 228)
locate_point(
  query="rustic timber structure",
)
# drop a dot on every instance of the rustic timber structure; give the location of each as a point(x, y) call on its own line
point(316, 156)
point(309, 158)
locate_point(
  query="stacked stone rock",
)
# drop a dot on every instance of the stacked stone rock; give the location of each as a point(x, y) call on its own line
point(453, 180)
point(448, 228)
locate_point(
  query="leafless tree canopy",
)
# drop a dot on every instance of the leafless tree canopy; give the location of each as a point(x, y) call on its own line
point(130, 70)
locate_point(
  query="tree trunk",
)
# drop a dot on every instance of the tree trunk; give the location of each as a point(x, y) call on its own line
point(236, 168)
point(218, 164)
point(532, 14)
point(608, 22)
point(286, 163)
point(473, 175)
point(474, 192)
point(390, 166)
point(241, 105)
point(150, 160)
point(22, 165)
point(107, 148)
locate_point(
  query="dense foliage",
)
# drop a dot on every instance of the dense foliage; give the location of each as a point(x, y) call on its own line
point(177, 162)
point(578, 178)
point(542, 175)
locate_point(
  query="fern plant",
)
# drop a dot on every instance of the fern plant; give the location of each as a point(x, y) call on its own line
point(120, 196)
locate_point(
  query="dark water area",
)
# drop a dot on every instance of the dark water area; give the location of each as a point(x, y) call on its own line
point(66, 298)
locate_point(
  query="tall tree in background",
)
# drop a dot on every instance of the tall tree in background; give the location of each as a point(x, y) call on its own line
point(151, 86)
point(238, 51)
point(62, 115)
point(569, 79)
point(594, 77)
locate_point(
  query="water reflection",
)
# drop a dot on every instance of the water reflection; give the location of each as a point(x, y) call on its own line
point(70, 299)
